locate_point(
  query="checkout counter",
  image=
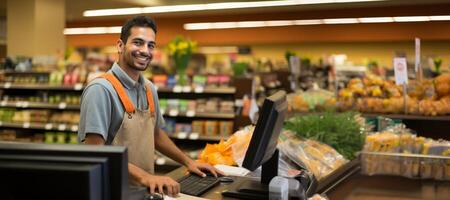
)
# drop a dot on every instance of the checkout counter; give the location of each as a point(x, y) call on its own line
point(349, 183)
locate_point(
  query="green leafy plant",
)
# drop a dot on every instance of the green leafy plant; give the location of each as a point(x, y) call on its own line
point(437, 64)
point(339, 130)
point(239, 68)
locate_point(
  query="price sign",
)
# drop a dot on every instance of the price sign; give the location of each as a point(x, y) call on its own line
point(7, 85)
point(177, 89)
point(199, 90)
point(173, 113)
point(78, 86)
point(187, 89)
point(194, 136)
point(182, 135)
point(62, 105)
point(190, 113)
point(26, 125)
point(25, 104)
point(401, 71)
point(61, 127)
point(48, 126)
point(74, 128)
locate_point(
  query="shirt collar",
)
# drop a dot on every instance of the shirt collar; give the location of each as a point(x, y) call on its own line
point(126, 80)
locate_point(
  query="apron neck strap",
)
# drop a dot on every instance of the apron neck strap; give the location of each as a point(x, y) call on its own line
point(129, 107)
point(151, 104)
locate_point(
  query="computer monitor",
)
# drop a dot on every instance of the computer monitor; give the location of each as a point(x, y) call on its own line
point(51, 171)
point(262, 150)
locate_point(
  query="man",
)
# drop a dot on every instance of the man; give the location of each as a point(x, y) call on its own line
point(121, 108)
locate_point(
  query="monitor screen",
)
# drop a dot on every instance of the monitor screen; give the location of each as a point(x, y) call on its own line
point(268, 127)
point(50, 171)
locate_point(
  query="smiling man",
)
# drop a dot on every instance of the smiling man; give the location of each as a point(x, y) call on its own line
point(122, 108)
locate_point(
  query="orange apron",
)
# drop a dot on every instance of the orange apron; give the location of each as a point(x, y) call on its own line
point(137, 129)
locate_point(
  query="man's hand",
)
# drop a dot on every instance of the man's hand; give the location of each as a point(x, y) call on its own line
point(158, 183)
point(200, 168)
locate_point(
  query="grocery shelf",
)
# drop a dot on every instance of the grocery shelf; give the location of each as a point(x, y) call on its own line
point(409, 117)
point(196, 136)
point(40, 126)
point(392, 116)
point(15, 86)
point(26, 104)
point(13, 72)
point(206, 90)
point(191, 114)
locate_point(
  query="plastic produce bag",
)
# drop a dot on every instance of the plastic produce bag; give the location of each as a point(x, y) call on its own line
point(316, 157)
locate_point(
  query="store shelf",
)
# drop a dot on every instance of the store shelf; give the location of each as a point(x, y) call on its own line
point(26, 104)
point(409, 117)
point(40, 126)
point(196, 136)
point(392, 116)
point(14, 86)
point(207, 90)
point(192, 114)
point(12, 72)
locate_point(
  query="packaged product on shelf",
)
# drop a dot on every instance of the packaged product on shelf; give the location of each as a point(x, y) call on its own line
point(49, 137)
point(39, 138)
point(199, 81)
point(173, 104)
point(163, 105)
point(8, 135)
point(183, 107)
point(171, 81)
point(399, 152)
point(211, 128)
point(191, 105)
point(160, 80)
point(213, 80)
point(225, 128)
point(212, 105)
point(169, 126)
point(198, 126)
point(224, 80)
point(201, 105)
point(226, 106)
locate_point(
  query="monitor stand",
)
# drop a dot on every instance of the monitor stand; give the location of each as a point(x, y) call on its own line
point(249, 189)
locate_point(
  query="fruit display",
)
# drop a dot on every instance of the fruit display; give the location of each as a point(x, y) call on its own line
point(374, 95)
point(311, 100)
point(402, 153)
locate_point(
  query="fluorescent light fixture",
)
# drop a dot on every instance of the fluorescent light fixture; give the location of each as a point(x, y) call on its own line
point(255, 24)
point(308, 22)
point(341, 21)
point(412, 19)
point(279, 23)
point(210, 6)
point(376, 20)
point(440, 18)
point(92, 30)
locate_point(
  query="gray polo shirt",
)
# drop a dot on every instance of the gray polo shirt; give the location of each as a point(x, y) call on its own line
point(101, 109)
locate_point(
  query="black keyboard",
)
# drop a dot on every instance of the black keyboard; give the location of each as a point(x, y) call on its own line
point(195, 185)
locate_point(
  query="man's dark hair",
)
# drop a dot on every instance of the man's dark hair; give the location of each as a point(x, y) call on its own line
point(139, 21)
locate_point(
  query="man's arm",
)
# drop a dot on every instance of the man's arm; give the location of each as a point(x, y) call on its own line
point(154, 183)
point(165, 145)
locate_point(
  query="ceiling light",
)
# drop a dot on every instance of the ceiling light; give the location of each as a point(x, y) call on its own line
point(210, 6)
point(308, 22)
point(92, 30)
point(376, 19)
point(440, 18)
point(279, 23)
point(341, 21)
point(412, 19)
